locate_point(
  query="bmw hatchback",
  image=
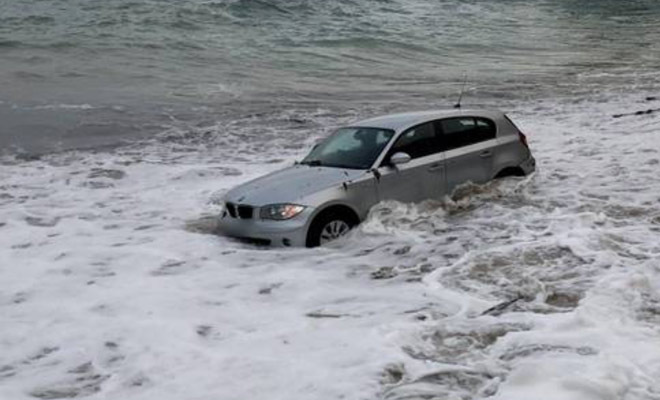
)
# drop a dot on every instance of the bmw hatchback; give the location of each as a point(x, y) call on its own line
point(404, 157)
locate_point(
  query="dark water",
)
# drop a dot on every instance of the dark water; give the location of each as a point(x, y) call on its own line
point(76, 73)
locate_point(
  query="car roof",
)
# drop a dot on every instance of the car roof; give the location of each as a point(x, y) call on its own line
point(408, 119)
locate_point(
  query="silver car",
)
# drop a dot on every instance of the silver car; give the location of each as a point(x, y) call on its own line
point(405, 157)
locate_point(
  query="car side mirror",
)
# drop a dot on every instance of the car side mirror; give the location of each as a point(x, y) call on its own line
point(400, 158)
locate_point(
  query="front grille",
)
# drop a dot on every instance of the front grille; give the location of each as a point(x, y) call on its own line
point(255, 241)
point(231, 210)
point(244, 212)
point(240, 211)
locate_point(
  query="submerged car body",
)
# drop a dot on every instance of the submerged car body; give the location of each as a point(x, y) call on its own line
point(405, 157)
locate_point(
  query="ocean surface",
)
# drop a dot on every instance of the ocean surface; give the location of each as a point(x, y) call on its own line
point(81, 74)
point(123, 123)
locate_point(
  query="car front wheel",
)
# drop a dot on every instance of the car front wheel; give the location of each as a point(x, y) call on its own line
point(328, 227)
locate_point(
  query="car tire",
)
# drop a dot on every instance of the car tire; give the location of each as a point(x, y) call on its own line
point(329, 226)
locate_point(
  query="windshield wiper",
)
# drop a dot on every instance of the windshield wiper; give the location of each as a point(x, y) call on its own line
point(311, 163)
point(344, 166)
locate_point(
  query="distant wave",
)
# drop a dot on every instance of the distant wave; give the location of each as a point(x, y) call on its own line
point(6, 43)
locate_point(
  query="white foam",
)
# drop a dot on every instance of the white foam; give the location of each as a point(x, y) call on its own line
point(106, 294)
point(63, 106)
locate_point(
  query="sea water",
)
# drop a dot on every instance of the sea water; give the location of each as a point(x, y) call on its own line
point(122, 124)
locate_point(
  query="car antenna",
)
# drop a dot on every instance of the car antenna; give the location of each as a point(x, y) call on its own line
point(460, 96)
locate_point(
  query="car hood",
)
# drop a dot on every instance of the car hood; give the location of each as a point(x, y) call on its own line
point(290, 185)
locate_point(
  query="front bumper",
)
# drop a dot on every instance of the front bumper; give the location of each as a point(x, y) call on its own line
point(291, 232)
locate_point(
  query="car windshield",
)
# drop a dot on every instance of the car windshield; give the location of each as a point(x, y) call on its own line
point(352, 147)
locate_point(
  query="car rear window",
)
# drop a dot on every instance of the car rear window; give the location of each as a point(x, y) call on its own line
point(464, 131)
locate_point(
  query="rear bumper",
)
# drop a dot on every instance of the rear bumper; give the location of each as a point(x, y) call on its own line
point(292, 232)
point(529, 165)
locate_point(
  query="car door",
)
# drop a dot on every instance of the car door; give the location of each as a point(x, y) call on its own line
point(469, 143)
point(423, 177)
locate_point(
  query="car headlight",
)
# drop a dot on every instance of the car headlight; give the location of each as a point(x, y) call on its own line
point(280, 211)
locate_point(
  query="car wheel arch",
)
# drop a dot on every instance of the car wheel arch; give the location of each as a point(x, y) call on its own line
point(512, 170)
point(335, 208)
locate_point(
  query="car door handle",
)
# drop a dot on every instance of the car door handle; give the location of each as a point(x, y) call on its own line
point(436, 167)
point(485, 154)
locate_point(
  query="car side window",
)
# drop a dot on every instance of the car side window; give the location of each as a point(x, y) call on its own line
point(418, 141)
point(464, 131)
